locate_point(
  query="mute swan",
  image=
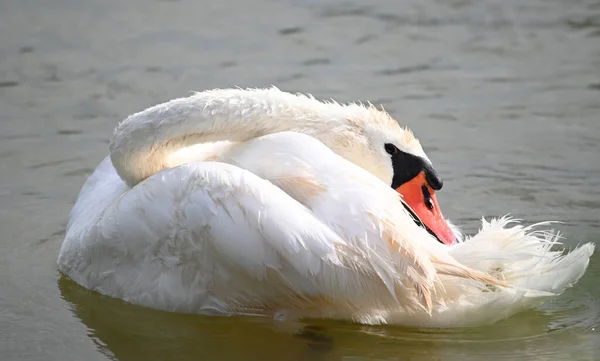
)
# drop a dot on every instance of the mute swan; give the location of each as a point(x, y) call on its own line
point(263, 202)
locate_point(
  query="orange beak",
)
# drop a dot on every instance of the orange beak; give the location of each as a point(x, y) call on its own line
point(420, 197)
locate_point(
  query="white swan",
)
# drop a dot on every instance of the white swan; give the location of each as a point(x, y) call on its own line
point(260, 201)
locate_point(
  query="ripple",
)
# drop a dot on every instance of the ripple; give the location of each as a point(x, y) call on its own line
point(405, 70)
point(290, 31)
point(316, 61)
point(53, 163)
point(69, 132)
point(8, 84)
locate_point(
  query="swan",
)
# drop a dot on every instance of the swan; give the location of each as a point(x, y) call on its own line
point(258, 201)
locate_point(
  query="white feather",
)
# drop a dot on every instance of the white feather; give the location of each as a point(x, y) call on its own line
point(289, 212)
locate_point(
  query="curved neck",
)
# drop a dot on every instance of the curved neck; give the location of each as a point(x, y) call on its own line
point(143, 143)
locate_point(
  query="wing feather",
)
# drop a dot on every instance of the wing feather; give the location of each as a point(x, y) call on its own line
point(361, 209)
point(214, 236)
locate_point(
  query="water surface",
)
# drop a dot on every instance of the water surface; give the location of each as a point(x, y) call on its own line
point(505, 97)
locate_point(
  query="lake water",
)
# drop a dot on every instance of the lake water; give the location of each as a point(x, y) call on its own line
point(505, 97)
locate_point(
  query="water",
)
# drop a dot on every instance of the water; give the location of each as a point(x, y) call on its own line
point(505, 97)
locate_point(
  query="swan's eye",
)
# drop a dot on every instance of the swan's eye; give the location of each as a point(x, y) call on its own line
point(391, 149)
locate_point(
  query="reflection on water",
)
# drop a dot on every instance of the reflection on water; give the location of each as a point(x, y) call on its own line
point(555, 331)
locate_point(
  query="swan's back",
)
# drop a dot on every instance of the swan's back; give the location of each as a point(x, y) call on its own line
point(212, 237)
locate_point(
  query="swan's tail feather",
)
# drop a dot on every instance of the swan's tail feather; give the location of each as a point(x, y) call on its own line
point(424, 295)
point(460, 271)
point(523, 257)
point(563, 271)
point(524, 261)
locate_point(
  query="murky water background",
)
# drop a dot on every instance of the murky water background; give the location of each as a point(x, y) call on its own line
point(505, 96)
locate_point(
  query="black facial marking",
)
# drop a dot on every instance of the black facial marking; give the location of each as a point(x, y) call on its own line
point(433, 178)
point(407, 166)
point(419, 223)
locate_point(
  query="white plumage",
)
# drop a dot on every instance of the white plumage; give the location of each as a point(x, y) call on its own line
point(264, 202)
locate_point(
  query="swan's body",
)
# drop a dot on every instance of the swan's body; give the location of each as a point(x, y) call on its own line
point(230, 202)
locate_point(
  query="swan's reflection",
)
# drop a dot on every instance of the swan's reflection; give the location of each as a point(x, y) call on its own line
point(127, 332)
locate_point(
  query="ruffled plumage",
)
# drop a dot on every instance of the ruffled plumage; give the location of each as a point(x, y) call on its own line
point(259, 201)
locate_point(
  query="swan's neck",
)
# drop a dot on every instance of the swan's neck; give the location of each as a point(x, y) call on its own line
point(149, 141)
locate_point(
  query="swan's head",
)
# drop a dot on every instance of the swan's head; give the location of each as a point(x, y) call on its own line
point(373, 140)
